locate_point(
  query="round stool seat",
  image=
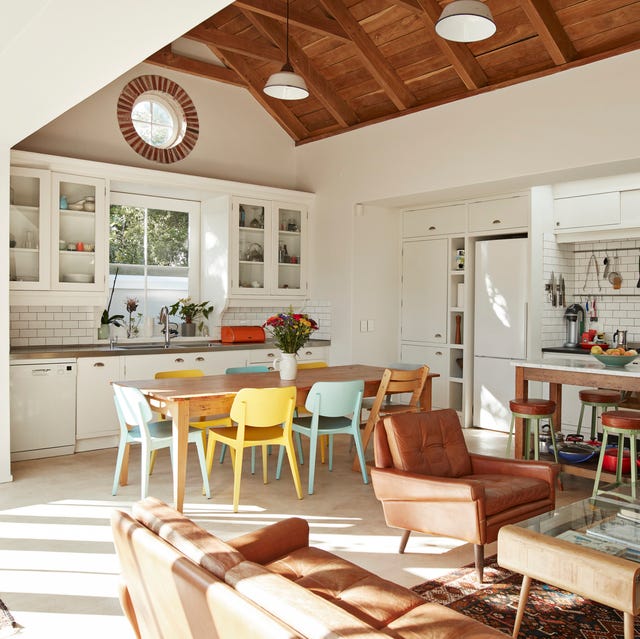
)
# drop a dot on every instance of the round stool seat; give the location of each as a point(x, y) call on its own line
point(532, 407)
point(625, 419)
point(597, 396)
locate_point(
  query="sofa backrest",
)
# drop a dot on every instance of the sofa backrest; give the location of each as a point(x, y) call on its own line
point(168, 596)
point(426, 443)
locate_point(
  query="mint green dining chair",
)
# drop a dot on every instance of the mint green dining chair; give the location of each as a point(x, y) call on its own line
point(334, 409)
point(137, 426)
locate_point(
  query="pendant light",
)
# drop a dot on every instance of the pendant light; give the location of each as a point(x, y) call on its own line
point(465, 21)
point(286, 84)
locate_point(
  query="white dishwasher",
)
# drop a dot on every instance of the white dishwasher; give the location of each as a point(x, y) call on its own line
point(43, 408)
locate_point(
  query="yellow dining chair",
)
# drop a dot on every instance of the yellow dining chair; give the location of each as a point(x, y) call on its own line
point(262, 416)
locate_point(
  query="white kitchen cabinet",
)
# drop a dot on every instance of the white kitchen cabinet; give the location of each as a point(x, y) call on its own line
point(95, 409)
point(499, 214)
point(267, 357)
point(437, 359)
point(268, 252)
point(210, 363)
point(439, 220)
point(424, 291)
point(29, 228)
point(598, 209)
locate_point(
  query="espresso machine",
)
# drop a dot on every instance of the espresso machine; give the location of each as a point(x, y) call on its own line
point(574, 319)
point(620, 339)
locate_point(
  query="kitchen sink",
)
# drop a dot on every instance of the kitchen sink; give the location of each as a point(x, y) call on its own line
point(137, 347)
point(160, 346)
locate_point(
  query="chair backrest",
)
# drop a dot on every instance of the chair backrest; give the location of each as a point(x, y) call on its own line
point(427, 443)
point(395, 380)
point(264, 406)
point(236, 370)
point(132, 406)
point(302, 365)
point(335, 399)
point(189, 372)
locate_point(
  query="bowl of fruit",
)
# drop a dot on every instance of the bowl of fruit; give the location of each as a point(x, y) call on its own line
point(614, 357)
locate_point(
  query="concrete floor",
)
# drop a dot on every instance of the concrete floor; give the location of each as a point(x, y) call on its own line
point(59, 571)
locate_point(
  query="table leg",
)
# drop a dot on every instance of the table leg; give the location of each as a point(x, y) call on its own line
point(629, 620)
point(524, 595)
point(180, 412)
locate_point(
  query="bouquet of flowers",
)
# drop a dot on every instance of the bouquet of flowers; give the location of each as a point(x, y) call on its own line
point(290, 330)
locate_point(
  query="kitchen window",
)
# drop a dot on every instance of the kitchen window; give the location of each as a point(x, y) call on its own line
point(153, 245)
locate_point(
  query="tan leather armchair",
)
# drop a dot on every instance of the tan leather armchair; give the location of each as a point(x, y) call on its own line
point(428, 482)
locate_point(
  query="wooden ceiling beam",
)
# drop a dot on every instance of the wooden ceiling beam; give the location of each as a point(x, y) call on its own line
point(318, 85)
point(276, 108)
point(458, 54)
point(277, 10)
point(238, 44)
point(370, 55)
point(166, 59)
point(553, 36)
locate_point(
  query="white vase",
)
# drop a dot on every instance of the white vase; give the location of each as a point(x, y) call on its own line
point(288, 366)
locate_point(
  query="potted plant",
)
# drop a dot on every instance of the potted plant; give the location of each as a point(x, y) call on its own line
point(192, 314)
point(290, 332)
point(106, 320)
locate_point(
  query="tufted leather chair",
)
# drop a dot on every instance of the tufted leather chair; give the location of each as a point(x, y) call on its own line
point(428, 481)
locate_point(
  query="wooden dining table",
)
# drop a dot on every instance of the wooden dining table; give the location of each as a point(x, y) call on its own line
point(186, 398)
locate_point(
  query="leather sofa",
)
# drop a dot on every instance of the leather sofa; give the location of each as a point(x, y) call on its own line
point(428, 481)
point(181, 582)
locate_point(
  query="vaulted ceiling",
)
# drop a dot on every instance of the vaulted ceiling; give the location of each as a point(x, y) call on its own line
point(366, 61)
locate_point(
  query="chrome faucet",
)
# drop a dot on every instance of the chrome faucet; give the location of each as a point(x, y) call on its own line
point(164, 319)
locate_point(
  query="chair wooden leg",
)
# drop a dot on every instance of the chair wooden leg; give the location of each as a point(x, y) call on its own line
point(478, 553)
point(294, 467)
point(154, 454)
point(124, 473)
point(116, 476)
point(203, 468)
point(211, 451)
point(404, 540)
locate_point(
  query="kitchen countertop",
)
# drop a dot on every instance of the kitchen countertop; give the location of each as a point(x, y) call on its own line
point(149, 347)
point(578, 350)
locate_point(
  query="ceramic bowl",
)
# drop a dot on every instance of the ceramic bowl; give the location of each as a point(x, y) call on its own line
point(575, 455)
point(610, 457)
point(615, 361)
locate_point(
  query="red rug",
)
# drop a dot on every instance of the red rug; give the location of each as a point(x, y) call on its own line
point(550, 612)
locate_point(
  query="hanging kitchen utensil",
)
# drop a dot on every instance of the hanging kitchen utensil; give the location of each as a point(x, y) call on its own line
point(614, 276)
point(563, 296)
point(638, 284)
point(592, 260)
point(553, 289)
point(605, 275)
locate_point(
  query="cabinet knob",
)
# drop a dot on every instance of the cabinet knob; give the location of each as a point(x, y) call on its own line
point(438, 335)
point(432, 228)
point(200, 359)
point(438, 352)
point(557, 223)
point(271, 355)
point(98, 364)
point(178, 360)
point(308, 352)
point(496, 222)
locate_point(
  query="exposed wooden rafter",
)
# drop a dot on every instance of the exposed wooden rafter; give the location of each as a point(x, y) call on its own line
point(553, 36)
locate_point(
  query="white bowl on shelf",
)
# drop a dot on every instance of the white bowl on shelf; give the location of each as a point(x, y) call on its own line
point(78, 278)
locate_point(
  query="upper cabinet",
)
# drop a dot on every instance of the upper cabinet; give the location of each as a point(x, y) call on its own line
point(499, 214)
point(598, 209)
point(268, 255)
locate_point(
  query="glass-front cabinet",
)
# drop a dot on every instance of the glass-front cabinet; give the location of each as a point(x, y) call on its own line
point(29, 229)
point(268, 250)
point(78, 234)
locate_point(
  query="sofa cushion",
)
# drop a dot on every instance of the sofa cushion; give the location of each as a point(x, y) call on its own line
point(429, 443)
point(503, 492)
point(302, 610)
point(197, 544)
point(372, 599)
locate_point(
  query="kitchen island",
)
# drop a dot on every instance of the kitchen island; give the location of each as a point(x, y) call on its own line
point(559, 371)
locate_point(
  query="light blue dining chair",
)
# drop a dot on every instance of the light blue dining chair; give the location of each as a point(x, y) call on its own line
point(335, 409)
point(237, 370)
point(138, 427)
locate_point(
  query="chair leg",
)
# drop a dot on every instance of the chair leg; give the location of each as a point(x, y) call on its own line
point(279, 464)
point(265, 452)
point(154, 454)
point(330, 453)
point(144, 470)
point(237, 477)
point(313, 452)
point(294, 466)
point(120, 457)
point(596, 481)
point(223, 452)
point(478, 553)
point(580, 419)
point(403, 541)
point(553, 439)
point(360, 452)
point(298, 439)
point(513, 419)
point(634, 465)
point(203, 467)
point(594, 410)
point(211, 451)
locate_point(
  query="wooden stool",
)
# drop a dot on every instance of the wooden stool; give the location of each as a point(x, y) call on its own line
point(624, 423)
point(532, 410)
point(597, 398)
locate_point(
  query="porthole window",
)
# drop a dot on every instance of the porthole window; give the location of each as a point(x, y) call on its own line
point(158, 119)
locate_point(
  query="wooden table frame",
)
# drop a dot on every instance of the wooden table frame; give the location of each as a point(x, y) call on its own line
point(189, 397)
point(557, 374)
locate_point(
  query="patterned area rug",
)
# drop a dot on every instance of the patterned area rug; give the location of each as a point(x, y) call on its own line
point(550, 612)
point(8, 625)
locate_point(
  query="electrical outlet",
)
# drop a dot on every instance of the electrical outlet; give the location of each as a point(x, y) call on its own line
point(370, 325)
point(363, 326)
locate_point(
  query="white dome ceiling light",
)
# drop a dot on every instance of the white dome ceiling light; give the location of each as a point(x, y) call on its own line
point(466, 21)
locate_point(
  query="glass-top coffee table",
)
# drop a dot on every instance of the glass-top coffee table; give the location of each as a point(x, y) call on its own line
point(590, 548)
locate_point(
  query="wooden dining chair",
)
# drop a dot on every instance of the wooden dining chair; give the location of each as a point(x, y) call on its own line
point(137, 426)
point(262, 416)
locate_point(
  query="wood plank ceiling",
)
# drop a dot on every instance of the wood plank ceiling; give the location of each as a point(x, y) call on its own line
point(365, 61)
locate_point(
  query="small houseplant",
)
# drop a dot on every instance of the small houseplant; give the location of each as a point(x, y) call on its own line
point(105, 318)
point(290, 332)
point(192, 314)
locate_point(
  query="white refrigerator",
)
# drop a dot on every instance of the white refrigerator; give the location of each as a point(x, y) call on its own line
point(500, 327)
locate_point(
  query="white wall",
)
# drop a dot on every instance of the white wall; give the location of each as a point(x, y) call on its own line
point(238, 140)
point(532, 133)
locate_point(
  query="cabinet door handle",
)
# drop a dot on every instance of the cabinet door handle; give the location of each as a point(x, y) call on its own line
point(98, 364)
point(438, 352)
point(200, 359)
point(308, 352)
point(271, 355)
point(496, 222)
point(178, 360)
point(432, 228)
point(438, 335)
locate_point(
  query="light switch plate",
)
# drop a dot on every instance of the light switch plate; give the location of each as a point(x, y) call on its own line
point(363, 326)
point(370, 325)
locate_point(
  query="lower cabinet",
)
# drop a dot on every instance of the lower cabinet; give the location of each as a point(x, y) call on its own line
point(437, 359)
point(95, 411)
point(268, 357)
